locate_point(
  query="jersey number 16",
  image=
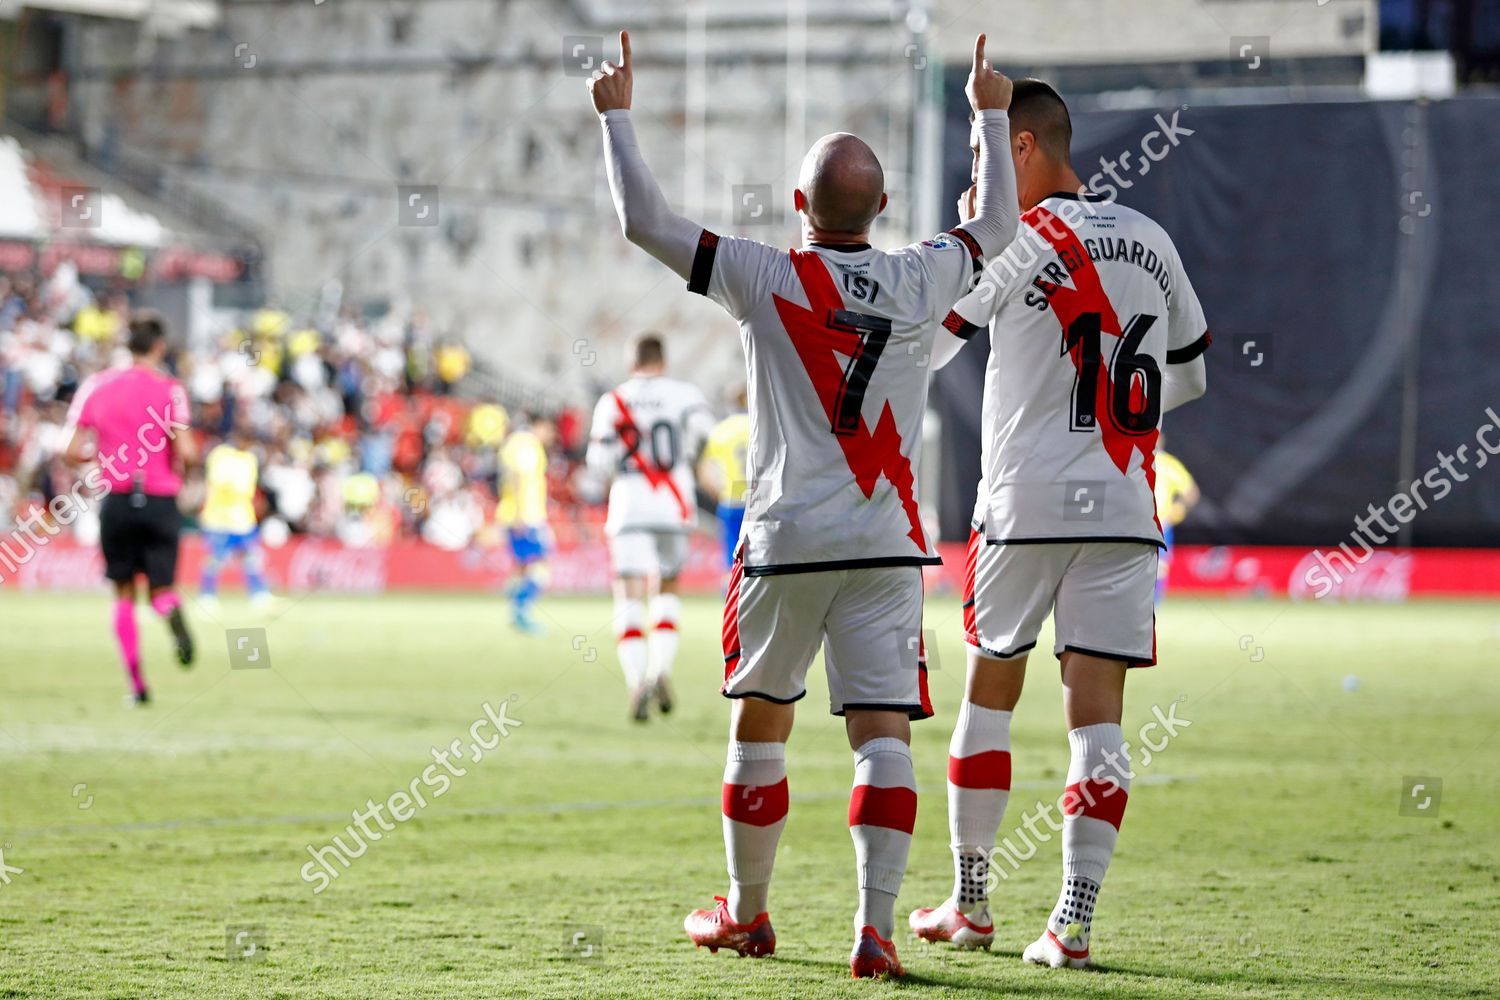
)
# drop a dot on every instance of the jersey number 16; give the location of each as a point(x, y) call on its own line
point(1134, 378)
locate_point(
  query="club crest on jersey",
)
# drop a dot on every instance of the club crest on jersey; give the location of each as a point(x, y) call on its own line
point(943, 242)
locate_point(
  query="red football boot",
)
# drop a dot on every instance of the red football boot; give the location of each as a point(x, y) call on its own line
point(714, 929)
point(874, 956)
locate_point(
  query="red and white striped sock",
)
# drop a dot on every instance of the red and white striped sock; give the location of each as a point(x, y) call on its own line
point(978, 789)
point(755, 807)
point(882, 813)
point(630, 640)
point(1093, 805)
point(665, 609)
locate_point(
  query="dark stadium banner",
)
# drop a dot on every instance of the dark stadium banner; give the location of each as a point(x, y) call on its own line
point(1345, 257)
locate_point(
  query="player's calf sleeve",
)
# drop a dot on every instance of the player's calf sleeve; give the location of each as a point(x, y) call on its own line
point(882, 813)
point(755, 807)
point(255, 572)
point(129, 639)
point(1093, 805)
point(529, 589)
point(208, 584)
point(665, 609)
point(978, 789)
point(630, 640)
point(165, 603)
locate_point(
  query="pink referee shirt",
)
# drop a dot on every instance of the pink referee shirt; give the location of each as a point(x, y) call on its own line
point(135, 413)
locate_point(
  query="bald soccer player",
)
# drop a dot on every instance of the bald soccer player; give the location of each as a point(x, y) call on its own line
point(836, 337)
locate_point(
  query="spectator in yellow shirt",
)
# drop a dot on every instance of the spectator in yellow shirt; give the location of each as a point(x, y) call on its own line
point(453, 363)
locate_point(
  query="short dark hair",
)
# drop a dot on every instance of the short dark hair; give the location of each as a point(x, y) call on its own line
point(147, 329)
point(649, 350)
point(1036, 108)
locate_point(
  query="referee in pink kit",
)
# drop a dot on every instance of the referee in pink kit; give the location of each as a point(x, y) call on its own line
point(134, 421)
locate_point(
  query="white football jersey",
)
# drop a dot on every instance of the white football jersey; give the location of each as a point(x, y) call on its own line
point(649, 432)
point(1086, 309)
point(838, 341)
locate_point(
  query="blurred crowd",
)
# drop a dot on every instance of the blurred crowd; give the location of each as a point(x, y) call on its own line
point(364, 428)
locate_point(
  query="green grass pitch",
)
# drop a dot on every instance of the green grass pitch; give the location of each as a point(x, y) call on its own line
point(1264, 854)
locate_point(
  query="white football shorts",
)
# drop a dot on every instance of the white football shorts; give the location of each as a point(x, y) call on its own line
point(868, 622)
point(641, 552)
point(1102, 596)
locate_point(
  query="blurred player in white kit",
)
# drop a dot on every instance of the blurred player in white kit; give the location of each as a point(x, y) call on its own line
point(646, 438)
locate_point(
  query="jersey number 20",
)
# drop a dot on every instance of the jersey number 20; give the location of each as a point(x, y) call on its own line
point(661, 440)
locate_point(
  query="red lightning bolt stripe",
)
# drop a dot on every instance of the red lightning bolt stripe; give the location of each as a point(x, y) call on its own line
point(1087, 296)
point(870, 455)
point(658, 478)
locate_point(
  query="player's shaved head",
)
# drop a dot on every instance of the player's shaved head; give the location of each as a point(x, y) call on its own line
point(842, 183)
point(1036, 108)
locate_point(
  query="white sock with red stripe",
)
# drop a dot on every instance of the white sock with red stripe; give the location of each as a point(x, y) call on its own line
point(882, 812)
point(755, 806)
point(665, 609)
point(978, 789)
point(1093, 805)
point(630, 640)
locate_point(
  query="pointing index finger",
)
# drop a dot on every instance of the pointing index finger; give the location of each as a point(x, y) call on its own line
point(979, 52)
point(625, 49)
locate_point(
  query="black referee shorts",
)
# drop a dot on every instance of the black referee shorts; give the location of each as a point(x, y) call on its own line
point(138, 534)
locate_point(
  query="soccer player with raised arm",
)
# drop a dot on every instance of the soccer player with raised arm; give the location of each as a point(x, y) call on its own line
point(1094, 333)
point(134, 423)
point(836, 335)
point(646, 438)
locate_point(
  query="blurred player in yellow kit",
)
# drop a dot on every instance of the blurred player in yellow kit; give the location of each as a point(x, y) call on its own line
point(723, 473)
point(523, 513)
point(231, 476)
point(1176, 494)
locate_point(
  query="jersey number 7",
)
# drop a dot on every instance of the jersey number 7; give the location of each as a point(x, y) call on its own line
point(874, 332)
point(1134, 380)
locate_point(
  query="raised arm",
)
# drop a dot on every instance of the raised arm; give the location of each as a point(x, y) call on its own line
point(996, 209)
point(645, 217)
